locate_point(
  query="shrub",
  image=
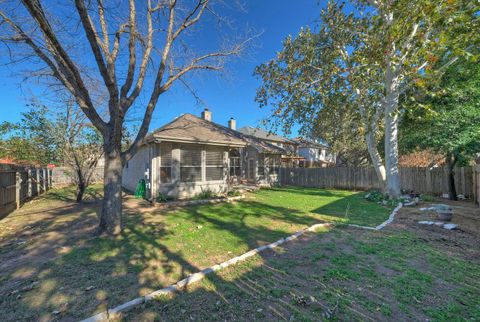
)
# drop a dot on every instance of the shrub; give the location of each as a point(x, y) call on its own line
point(206, 194)
point(162, 197)
point(375, 196)
point(427, 198)
point(234, 193)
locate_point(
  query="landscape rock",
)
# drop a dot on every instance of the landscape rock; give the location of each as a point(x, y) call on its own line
point(450, 226)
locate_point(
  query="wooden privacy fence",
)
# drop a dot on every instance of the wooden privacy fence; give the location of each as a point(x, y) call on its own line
point(64, 176)
point(19, 184)
point(422, 180)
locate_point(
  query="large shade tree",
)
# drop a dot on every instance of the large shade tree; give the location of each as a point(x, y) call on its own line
point(138, 49)
point(445, 118)
point(363, 61)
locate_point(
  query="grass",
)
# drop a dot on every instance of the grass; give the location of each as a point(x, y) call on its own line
point(367, 276)
point(86, 274)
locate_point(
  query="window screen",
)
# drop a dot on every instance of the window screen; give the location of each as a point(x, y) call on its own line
point(190, 164)
point(166, 163)
point(274, 165)
point(214, 164)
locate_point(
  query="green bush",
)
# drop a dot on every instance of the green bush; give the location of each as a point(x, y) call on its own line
point(206, 194)
point(234, 193)
point(427, 198)
point(162, 197)
point(375, 196)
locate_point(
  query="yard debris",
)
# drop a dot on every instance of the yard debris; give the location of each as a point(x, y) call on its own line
point(29, 287)
point(89, 288)
point(299, 299)
point(56, 312)
point(439, 224)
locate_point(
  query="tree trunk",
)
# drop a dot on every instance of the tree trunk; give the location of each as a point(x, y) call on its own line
point(376, 158)
point(391, 154)
point(452, 191)
point(111, 216)
point(80, 191)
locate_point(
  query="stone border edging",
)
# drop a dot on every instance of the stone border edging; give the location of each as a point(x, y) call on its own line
point(105, 315)
point(383, 224)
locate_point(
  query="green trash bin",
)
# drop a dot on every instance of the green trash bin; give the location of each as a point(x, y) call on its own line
point(141, 189)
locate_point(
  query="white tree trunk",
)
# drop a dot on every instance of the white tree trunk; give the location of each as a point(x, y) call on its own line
point(391, 147)
point(377, 161)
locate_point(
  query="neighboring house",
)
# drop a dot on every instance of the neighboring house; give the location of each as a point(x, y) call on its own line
point(192, 154)
point(290, 158)
point(315, 154)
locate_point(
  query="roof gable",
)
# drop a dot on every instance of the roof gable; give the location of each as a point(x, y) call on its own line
point(189, 128)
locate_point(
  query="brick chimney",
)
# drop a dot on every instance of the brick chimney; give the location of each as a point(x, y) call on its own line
point(232, 124)
point(207, 115)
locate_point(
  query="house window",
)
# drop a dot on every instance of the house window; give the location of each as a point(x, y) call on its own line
point(274, 165)
point(190, 164)
point(261, 165)
point(235, 169)
point(213, 164)
point(166, 163)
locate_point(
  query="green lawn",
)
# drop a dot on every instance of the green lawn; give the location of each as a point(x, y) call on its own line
point(159, 248)
point(344, 275)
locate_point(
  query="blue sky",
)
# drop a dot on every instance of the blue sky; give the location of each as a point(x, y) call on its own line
point(232, 95)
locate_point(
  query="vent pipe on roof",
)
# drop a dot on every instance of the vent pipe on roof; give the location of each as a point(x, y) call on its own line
point(207, 115)
point(232, 124)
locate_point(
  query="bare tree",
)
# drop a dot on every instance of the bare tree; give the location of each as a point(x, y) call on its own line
point(129, 45)
point(80, 144)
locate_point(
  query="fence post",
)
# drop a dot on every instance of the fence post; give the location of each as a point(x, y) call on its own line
point(44, 180)
point(29, 183)
point(18, 185)
point(428, 181)
point(37, 174)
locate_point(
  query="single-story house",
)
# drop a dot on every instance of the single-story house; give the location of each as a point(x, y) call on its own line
point(192, 154)
point(315, 154)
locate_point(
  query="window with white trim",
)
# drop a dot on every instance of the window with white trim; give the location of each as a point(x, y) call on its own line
point(190, 163)
point(166, 163)
point(274, 165)
point(214, 164)
point(235, 169)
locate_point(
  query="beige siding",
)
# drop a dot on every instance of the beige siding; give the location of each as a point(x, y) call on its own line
point(137, 168)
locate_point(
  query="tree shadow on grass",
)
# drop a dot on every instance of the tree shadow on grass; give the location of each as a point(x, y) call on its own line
point(83, 274)
point(78, 274)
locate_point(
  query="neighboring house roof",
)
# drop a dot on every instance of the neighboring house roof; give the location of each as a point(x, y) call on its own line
point(189, 128)
point(304, 143)
point(261, 134)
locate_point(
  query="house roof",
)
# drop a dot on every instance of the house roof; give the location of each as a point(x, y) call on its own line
point(262, 134)
point(189, 128)
point(308, 143)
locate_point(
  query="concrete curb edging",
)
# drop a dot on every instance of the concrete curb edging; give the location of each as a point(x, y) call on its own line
point(105, 315)
point(385, 223)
